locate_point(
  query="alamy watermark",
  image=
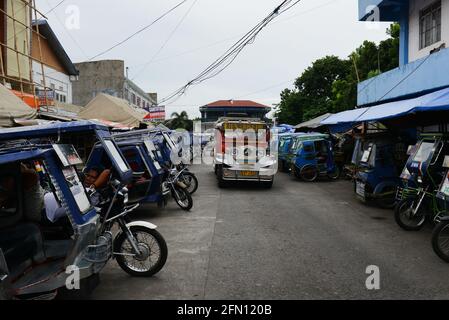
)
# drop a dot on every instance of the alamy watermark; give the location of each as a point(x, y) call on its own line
point(73, 17)
point(373, 280)
point(72, 281)
point(373, 17)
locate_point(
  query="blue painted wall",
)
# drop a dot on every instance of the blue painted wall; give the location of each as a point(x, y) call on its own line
point(412, 79)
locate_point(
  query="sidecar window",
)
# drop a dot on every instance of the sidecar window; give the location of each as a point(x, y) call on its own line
point(9, 189)
point(116, 155)
point(77, 189)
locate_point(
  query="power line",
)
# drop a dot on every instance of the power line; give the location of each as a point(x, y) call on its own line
point(405, 78)
point(226, 59)
point(233, 37)
point(264, 89)
point(56, 6)
point(139, 31)
point(69, 34)
point(167, 40)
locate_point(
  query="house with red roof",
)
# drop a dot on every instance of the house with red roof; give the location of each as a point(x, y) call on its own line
point(228, 108)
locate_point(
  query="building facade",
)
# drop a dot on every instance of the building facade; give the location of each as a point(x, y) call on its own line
point(424, 56)
point(51, 66)
point(108, 76)
point(222, 108)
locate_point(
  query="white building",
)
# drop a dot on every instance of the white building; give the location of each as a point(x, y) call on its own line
point(58, 69)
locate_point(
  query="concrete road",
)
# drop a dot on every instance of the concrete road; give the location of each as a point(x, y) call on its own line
point(296, 241)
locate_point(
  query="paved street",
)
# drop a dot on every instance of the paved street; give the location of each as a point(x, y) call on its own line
point(296, 241)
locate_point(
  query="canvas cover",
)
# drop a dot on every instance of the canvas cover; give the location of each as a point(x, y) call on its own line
point(435, 101)
point(13, 108)
point(113, 109)
point(314, 123)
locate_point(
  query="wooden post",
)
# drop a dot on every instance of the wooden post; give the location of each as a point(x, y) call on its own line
point(40, 52)
point(15, 45)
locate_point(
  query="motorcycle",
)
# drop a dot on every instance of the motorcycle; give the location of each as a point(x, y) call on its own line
point(179, 190)
point(418, 199)
point(140, 250)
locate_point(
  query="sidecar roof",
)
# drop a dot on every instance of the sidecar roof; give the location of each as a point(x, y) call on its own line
point(39, 131)
point(19, 155)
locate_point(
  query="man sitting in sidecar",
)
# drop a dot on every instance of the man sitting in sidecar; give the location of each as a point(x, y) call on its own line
point(94, 180)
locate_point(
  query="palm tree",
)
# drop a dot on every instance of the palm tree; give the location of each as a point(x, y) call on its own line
point(180, 121)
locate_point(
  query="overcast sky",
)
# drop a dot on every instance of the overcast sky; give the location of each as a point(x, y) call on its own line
point(311, 30)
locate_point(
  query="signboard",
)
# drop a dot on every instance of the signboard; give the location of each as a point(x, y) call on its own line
point(67, 154)
point(49, 100)
point(155, 114)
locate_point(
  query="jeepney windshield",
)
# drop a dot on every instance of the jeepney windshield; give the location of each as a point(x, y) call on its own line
point(116, 155)
point(424, 151)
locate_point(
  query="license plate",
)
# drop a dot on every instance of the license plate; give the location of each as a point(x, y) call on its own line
point(248, 173)
point(360, 189)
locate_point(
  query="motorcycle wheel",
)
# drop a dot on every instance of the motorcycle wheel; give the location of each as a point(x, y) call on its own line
point(151, 243)
point(183, 198)
point(191, 181)
point(308, 173)
point(440, 240)
point(402, 216)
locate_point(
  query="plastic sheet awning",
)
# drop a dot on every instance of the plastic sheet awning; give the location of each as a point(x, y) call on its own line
point(435, 101)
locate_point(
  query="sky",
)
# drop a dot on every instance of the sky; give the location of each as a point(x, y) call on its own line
point(177, 48)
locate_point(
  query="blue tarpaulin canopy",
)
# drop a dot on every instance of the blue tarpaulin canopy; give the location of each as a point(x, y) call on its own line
point(435, 101)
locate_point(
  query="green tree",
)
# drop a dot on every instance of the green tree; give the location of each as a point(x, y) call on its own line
point(330, 83)
point(180, 121)
point(312, 95)
point(368, 60)
point(290, 109)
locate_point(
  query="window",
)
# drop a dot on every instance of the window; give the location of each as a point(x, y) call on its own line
point(133, 98)
point(138, 101)
point(430, 25)
point(424, 152)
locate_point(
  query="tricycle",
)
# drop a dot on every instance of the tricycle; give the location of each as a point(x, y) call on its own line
point(418, 198)
point(311, 156)
point(440, 234)
point(53, 236)
point(166, 153)
point(377, 160)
